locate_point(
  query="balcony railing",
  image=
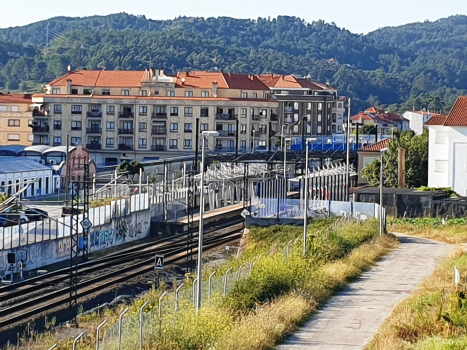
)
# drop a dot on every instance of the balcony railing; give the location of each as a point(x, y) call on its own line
point(159, 115)
point(94, 146)
point(220, 148)
point(56, 144)
point(158, 148)
point(41, 128)
point(225, 116)
point(94, 114)
point(173, 146)
point(125, 147)
point(159, 130)
point(274, 117)
point(255, 117)
point(126, 131)
point(41, 142)
point(38, 113)
point(126, 114)
point(93, 130)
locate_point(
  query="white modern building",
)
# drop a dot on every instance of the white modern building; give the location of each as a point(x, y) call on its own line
point(447, 149)
point(417, 119)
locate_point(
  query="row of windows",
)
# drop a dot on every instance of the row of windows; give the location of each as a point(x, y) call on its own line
point(4, 108)
point(295, 106)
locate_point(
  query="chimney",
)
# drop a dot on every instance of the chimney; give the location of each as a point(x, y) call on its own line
point(151, 72)
point(68, 86)
point(215, 85)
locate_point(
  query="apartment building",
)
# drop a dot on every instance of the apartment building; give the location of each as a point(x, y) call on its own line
point(384, 122)
point(301, 98)
point(15, 118)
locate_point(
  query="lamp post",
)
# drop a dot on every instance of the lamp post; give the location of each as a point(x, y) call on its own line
point(347, 141)
point(285, 155)
point(381, 192)
point(253, 134)
point(305, 195)
point(205, 135)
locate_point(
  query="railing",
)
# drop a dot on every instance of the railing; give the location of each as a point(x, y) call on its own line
point(126, 131)
point(255, 117)
point(125, 147)
point(159, 115)
point(224, 149)
point(94, 130)
point(45, 143)
point(159, 131)
point(38, 113)
point(94, 114)
point(173, 147)
point(225, 116)
point(76, 128)
point(40, 128)
point(158, 148)
point(94, 146)
point(126, 114)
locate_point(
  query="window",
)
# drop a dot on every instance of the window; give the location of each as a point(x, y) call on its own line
point(76, 109)
point(263, 129)
point(110, 126)
point(264, 113)
point(173, 144)
point(57, 109)
point(188, 127)
point(204, 127)
point(14, 122)
point(187, 144)
point(143, 143)
point(3, 108)
point(205, 112)
point(319, 117)
point(143, 110)
point(266, 95)
point(56, 91)
point(319, 129)
point(188, 111)
point(143, 126)
point(75, 141)
point(95, 108)
point(339, 105)
point(74, 91)
point(106, 92)
point(13, 137)
point(295, 106)
point(255, 95)
point(76, 125)
point(143, 92)
point(57, 141)
point(174, 111)
point(320, 106)
point(262, 143)
point(87, 91)
point(110, 143)
point(173, 127)
point(242, 128)
point(30, 137)
point(161, 111)
point(243, 144)
point(243, 112)
point(204, 93)
point(156, 92)
point(189, 93)
point(308, 106)
point(110, 110)
point(125, 92)
point(57, 125)
point(14, 108)
point(244, 94)
point(170, 93)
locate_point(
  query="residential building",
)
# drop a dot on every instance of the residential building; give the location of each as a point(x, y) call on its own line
point(15, 119)
point(447, 149)
point(366, 156)
point(121, 115)
point(384, 122)
point(417, 119)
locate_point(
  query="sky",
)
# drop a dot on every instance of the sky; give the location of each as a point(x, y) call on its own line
point(358, 16)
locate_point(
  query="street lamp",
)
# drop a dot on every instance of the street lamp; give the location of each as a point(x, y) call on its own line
point(305, 195)
point(285, 155)
point(204, 135)
point(253, 134)
point(381, 192)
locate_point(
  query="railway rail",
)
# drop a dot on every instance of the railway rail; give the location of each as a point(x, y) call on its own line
point(131, 262)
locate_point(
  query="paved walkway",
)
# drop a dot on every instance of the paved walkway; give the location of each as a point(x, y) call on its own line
point(350, 319)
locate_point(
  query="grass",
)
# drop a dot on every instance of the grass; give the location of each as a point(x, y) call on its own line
point(454, 232)
point(264, 307)
point(434, 317)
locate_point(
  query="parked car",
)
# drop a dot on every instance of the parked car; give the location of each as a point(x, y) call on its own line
point(36, 214)
point(11, 219)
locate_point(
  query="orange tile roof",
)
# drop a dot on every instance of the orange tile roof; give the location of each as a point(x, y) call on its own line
point(376, 147)
point(437, 120)
point(362, 116)
point(458, 114)
point(280, 81)
point(15, 98)
point(102, 78)
point(205, 80)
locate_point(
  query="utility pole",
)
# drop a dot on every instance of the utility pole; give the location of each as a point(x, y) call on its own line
point(347, 176)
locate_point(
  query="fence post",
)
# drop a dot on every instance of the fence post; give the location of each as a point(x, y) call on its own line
point(98, 335)
point(288, 248)
point(240, 270)
point(120, 328)
point(209, 286)
point(160, 304)
point(252, 263)
point(225, 280)
point(141, 323)
point(54, 347)
point(75, 342)
point(194, 290)
point(177, 296)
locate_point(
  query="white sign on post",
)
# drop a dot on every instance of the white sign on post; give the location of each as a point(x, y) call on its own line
point(159, 262)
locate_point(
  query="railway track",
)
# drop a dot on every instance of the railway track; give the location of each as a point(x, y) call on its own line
point(126, 265)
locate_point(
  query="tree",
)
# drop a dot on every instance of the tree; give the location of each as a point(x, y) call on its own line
point(130, 168)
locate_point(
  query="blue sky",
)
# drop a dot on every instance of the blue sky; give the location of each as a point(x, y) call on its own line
point(358, 16)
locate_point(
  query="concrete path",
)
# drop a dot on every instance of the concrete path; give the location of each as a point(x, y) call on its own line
point(350, 319)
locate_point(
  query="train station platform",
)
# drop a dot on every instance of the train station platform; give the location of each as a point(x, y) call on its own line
point(217, 213)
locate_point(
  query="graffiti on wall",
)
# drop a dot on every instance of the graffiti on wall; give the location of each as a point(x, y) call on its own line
point(63, 247)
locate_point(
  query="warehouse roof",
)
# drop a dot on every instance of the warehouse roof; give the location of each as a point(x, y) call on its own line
point(20, 164)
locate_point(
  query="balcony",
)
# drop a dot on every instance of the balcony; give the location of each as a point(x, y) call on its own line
point(76, 128)
point(159, 115)
point(93, 130)
point(41, 142)
point(126, 114)
point(225, 116)
point(158, 148)
point(125, 147)
point(227, 133)
point(126, 131)
point(173, 146)
point(220, 148)
point(38, 113)
point(94, 114)
point(40, 128)
point(255, 117)
point(159, 130)
point(274, 117)
point(93, 146)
